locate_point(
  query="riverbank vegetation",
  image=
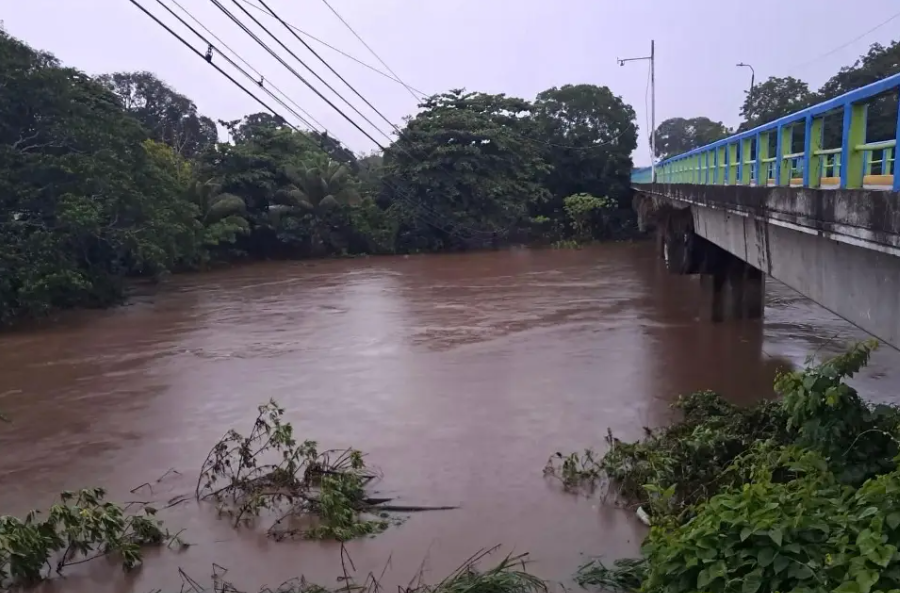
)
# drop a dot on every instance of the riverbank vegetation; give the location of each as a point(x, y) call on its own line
point(116, 176)
point(509, 575)
point(799, 494)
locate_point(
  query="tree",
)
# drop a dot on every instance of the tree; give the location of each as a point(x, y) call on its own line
point(168, 116)
point(679, 135)
point(588, 136)
point(464, 169)
point(83, 200)
point(586, 214)
point(773, 99)
point(879, 62)
point(334, 149)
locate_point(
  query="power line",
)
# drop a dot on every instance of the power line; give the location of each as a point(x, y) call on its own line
point(259, 82)
point(262, 43)
point(208, 58)
point(256, 38)
point(327, 65)
point(243, 61)
point(338, 50)
point(371, 51)
point(852, 41)
point(209, 61)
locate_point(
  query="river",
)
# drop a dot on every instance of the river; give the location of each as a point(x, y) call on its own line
point(457, 374)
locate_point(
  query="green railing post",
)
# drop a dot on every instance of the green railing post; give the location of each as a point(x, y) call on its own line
point(721, 168)
point(731, 178)
point(762, 152)
point(852, 160)
point(786, 147)
point(814, 145)
point(746, 164)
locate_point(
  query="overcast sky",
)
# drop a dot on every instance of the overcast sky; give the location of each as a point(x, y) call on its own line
point(517, 47)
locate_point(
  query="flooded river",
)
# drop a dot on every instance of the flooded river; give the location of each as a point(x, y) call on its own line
point(457, 374)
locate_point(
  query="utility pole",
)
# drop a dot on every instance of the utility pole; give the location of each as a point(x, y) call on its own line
point(652, 58)
point(752, 82)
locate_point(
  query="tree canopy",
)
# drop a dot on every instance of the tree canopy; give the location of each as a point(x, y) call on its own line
point(678, 135)
point(119, 175)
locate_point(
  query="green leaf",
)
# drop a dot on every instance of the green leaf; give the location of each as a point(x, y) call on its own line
point(753, 581)
point(781, 562)
point(776, 535)
point(848, 587)
point(882, 555)
point(765, 556)
point(868, 512)
point(866, 578)
point(893, 520)
point(703, 578)
point(801, 572)
point(746, 532)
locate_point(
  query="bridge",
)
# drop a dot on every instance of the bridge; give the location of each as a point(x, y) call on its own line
point(807, 199)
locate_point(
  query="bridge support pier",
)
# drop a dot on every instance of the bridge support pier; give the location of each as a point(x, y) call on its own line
point(733, 289)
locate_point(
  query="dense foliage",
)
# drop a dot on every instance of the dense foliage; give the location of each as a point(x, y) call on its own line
point(677, 135)
point(116, 176)
point(800, 494)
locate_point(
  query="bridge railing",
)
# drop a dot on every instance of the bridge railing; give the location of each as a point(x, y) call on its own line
point(745, 159)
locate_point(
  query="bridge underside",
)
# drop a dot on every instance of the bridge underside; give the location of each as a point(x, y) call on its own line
point(840, 248)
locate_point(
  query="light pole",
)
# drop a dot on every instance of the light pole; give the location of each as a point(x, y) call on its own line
point(652, 58)
point(752, 81)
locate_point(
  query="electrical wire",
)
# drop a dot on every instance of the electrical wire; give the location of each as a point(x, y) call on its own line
point(256, 38)
point(243, 61)
point(249, 32)
point(852, 41)
point(204, 58)
point(263, 44)
point(371, 51)
point(340, 51)
point(417, 206)
point(327, 65)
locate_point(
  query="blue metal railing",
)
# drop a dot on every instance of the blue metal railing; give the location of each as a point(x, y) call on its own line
point(744, 159)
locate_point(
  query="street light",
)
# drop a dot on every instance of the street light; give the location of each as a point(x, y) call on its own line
point(652, 58)
point(752, 81)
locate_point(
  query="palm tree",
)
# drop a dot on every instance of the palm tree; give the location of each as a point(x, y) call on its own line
point(318, 186)
point(220, 214)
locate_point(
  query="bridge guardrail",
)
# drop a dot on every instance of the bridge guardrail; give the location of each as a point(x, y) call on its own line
point(743, 158)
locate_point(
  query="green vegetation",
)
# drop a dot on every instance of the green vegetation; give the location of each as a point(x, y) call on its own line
point(802, 494)
point(80, 528)
point(507, 576)
point(117, 176)
point(268, 470)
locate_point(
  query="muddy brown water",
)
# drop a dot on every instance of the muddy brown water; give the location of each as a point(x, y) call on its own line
point(457, 374)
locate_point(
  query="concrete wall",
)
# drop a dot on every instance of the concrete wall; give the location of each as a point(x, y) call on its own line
point(839, 248)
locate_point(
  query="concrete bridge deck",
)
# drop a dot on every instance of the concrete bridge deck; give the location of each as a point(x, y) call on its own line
point(826, 221)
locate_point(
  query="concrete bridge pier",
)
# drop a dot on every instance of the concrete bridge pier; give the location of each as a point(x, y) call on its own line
point(733, 289)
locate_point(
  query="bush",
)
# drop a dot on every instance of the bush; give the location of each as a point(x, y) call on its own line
point(801, 494)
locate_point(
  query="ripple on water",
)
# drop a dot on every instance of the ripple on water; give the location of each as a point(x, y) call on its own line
point(458, 374)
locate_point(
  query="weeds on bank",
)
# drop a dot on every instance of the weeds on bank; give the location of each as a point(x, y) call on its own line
point(81, 527)
point(802, 494)
point(315, 495)
point(507, 576)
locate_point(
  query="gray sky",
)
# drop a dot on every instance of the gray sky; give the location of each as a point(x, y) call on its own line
point(518, 47)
